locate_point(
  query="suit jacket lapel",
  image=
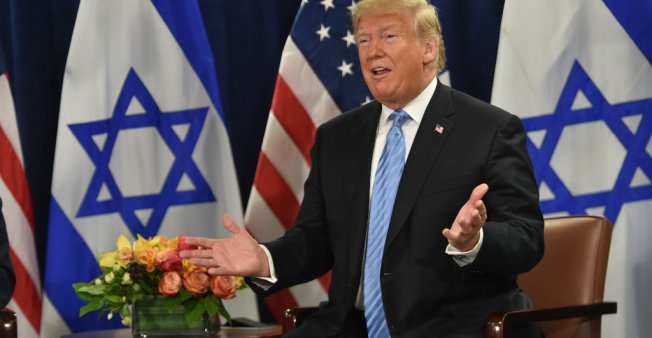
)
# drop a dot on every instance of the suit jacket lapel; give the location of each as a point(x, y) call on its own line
point(359, 170)
point(433, 130)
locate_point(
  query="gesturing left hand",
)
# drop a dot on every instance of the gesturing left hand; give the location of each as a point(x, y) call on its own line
point(464, 233)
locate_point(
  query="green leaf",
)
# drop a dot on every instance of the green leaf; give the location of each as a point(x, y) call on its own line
point(92, 306)
point(91, 289)
point(88, 297)
point(211, 304)
point(194, 311)
point(172, 301)
point(146, 287)
point(125, 311)
point(76, 286)
point(115, 299)
point(223, 312)
point(185, 294)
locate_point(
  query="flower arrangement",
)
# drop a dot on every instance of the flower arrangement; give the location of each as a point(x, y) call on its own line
point(153, 267)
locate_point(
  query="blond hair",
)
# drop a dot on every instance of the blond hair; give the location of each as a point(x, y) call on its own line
point(425, 18)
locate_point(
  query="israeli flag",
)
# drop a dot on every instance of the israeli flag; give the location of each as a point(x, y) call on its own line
point(142, 146)
point(579, 74)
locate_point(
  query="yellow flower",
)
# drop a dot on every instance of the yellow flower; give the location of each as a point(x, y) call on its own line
point(239, 283)
point(123, 255)
point(108, 259)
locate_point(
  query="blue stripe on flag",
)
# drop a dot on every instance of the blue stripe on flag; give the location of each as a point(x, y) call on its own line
point(70, 261)
point(634, 16)
point(186, 24)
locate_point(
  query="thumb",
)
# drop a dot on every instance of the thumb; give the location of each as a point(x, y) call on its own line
point(478, 193)
point(230, 225)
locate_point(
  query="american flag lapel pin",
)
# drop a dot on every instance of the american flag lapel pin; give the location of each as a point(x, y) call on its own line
point(439, 129)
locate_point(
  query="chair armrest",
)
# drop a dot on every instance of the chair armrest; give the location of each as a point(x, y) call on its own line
point(293, 317)
point(499, 321)
point(8, 324)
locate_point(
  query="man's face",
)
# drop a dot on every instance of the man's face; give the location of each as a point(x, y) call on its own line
point(392, 58)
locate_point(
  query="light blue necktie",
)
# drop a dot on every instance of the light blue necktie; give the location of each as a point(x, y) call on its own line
point(388, 175)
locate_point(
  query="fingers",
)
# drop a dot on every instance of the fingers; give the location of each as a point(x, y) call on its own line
point(205, 262)
point(200, 241)
point(478, 193)
point(230, 225)
point(453, 237)
point(196, 254)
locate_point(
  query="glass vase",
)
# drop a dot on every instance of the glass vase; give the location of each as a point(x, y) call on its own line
point(151, 318)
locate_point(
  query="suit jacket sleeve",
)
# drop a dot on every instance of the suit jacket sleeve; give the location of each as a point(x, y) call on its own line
point(513, 234)
point(7, 279)
point(304, 252)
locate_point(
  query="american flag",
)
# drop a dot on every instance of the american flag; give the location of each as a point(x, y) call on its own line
point(319, 78)
point(17, 210)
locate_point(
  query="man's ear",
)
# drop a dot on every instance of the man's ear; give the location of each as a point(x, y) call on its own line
point(430, 50)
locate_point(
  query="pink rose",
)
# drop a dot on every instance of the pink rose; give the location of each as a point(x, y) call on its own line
point(224, 286)
point(170, 283)
point(168, 260)
point(196, 281)
point(183, 245)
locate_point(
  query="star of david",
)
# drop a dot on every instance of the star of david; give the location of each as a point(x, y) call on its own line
point(612, 115)
point(181, 148)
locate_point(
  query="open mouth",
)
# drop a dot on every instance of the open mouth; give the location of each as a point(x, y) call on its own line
point(380, 71)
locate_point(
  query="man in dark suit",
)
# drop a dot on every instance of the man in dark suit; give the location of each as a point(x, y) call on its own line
point(7, 278)
point(460, 222)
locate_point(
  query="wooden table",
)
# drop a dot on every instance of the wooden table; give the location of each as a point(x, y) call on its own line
point(225, 332)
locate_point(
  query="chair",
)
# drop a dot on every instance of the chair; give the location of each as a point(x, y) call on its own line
point(566, 287)
point(8, 324)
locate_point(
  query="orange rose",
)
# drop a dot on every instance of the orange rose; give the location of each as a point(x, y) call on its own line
point(224, 286)
point(170, 283)
point(196, 281)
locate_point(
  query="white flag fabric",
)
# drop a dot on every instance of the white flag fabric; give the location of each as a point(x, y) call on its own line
point(19, 217)
point(141, 147)
point(578, 73)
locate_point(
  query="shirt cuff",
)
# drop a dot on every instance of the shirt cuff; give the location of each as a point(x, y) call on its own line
point(463, 258)
point(266, 282)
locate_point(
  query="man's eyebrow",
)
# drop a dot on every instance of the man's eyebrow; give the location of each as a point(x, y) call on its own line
point(381, 30)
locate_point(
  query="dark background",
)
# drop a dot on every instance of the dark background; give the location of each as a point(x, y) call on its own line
point(247, 38)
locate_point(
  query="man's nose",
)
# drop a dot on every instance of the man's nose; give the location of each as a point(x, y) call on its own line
point(375, 49)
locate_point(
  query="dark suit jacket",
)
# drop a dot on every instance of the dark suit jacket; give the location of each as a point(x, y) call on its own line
point(424, 290)
point(7, 279)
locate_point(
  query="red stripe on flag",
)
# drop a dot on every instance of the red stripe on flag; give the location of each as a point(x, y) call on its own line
point(293, 117)
point(275, 192)
point(279, 302)
point(325, 280)
point(13, 175)
point(25, 294)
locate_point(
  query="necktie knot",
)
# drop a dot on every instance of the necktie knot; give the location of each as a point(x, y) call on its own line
point(399, 117)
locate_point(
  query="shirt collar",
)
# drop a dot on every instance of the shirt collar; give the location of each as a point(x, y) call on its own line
point(417, 107)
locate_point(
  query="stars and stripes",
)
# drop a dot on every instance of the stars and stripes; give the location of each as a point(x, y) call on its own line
point(19, 216)
point(319, 78)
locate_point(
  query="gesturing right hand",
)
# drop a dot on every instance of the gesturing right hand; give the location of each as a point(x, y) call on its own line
point(239, 255)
